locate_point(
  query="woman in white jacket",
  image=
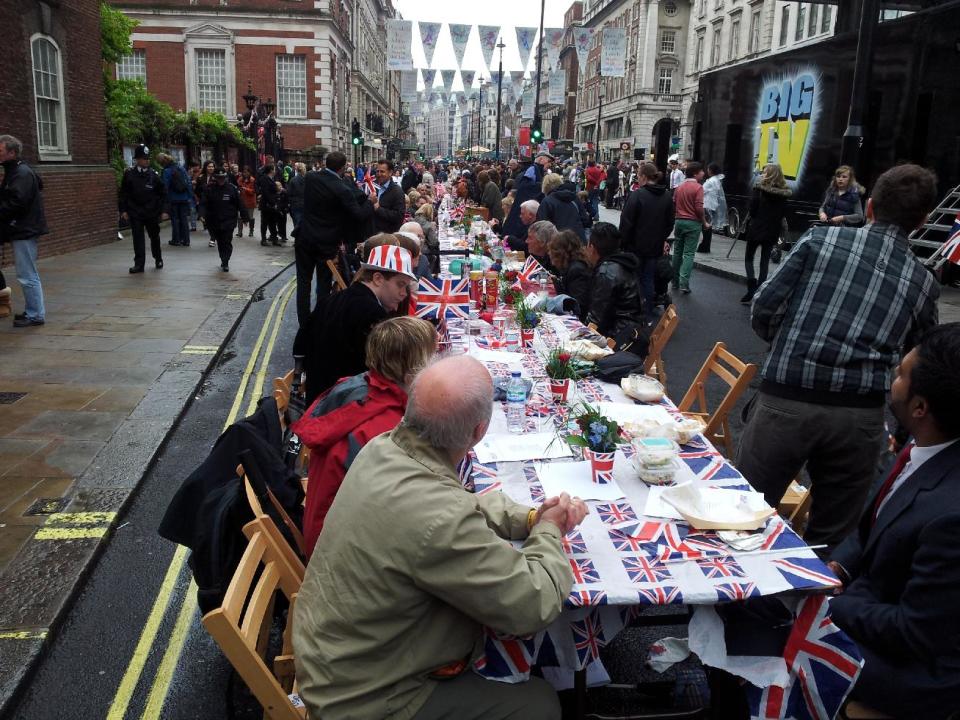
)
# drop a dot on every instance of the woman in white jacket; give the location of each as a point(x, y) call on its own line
point(714, 205)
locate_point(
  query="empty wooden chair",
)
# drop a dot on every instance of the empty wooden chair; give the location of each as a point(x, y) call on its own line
point(338, 281)
point(281, 393)
point(737, 377)
point(241, 625)
point(795, 506)
point(659, 338)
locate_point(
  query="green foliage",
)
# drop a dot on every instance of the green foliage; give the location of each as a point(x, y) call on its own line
point(596, 431)
point(115, 29)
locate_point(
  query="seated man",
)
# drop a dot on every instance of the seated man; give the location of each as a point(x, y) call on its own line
point(901, 567)
point(410, 565)
point(333, 340)
point(615, 295)
point(528, 215)
point(414, 231)
point(539, 235)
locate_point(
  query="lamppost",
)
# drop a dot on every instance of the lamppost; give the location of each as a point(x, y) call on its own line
point(260, 126)
point(600, 93)
point(479, 111)
point(499, 93)
point(536, 102)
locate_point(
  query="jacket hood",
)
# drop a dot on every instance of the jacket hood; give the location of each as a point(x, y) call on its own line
point(345, 407)
point(772, 190)
point(563, 194)
point(655, 189)
point(626, 259)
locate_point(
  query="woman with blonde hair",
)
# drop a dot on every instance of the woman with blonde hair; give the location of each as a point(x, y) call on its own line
point(768, 204)
point(357, 409)
point(843, 203)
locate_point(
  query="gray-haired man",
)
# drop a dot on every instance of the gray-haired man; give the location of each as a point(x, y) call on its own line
point(410, 565)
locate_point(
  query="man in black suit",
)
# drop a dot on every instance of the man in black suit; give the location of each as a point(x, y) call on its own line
point(331, 211)
point(389, 203)
point(901, 568)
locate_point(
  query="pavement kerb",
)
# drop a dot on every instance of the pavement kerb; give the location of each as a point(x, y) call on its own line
point(720, 272)
point(28, 624)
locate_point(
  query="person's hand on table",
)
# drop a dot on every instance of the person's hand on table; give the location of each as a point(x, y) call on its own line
point(564, 512)
point(838, 220)
point(823, 216)
point(837, 569)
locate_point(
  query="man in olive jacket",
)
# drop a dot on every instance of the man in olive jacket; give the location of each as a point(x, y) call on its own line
point(410, 566)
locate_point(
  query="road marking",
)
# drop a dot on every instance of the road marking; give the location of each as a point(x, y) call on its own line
point(81, 518)
point(75, 526)
point(131, 678)
point(24, 635)
point(46, 533)
point(237, 296)
point(199, 350)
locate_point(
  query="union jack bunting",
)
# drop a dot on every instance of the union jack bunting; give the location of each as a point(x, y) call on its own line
point(588, 639)
point(709, 466)
point(586, 598)
point(592, 391)
point(720, 567)
point(645, 536)
point(661, 595)
point(736, 591)
point(803, 573)
point(506, 657)
point(616, 512)
point(583, 571)
point(443, 298)
point(693, 547)
point(777, 535)
point(640, 569)
point(823, 664)
point(573, 543)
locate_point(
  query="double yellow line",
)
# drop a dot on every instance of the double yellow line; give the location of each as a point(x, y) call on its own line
point(148, 636)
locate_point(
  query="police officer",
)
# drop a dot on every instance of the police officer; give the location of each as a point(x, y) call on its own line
point(223, 207)
point(142, 194)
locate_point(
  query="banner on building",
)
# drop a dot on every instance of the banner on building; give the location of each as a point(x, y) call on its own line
point(613, 52)
point(518, 87)
point(429, 34)
point(447, 76)
point(428, 76)
point(408, 85)
point(525, 38)
point(467, 77)
point(552, 45)
point(526, 108)
point(582, 38)
point(399, 34)
point(557, 90)
point(488, 41)
point(459, 35)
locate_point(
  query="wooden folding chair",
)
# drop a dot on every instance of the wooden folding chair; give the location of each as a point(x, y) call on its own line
point(337, 277)
point(661, 334)
point(794, 507)
point(738, 377)
point(281, 393)
point(255, 500)
point(241, 625)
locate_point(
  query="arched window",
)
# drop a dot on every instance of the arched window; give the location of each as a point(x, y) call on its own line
point(48, 96)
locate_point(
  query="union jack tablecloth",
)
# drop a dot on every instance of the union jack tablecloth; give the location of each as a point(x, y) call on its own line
point(622, 560)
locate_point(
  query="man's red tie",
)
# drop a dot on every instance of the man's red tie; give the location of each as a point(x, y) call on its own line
point(902, 459)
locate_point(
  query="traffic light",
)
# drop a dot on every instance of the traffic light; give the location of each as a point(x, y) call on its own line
point(536, 132)
point(357, 135)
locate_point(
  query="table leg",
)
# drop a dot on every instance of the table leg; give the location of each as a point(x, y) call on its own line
point(580, 692)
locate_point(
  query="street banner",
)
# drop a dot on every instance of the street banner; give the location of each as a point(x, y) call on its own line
point(459, 35)
point(467, 77)
point(488, 41)
point(556, 92)
point(408, 85)
point(494, 78)
point(399, 36)
point(447, 76)
point(525, 38)
point(526, 109)
point(429, 33)
point(552, 45)
point(428, 76)
point(613, 52)
point(462, 100)
point(518, 87)
point(582, 37)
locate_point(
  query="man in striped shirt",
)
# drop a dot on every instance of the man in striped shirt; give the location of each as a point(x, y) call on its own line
point(839, 312)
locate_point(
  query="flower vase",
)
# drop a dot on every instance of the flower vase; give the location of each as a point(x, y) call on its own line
point(526, 337)
point(560, 389)
point(601, 465)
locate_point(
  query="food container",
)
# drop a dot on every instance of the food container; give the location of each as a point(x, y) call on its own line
point(643, 388)
point(689, 428)
point(657, 474)
point(655, 452)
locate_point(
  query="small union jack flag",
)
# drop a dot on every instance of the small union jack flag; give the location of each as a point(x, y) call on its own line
point(587, 598)
point(583, 571)
point(951, 248)
point(537, 494)
point(530, 268)
point(805, 572)
point(645, 536)
point(823, 664)
point(588, 639)
point(720, 567)
point(736, 591)
point(616, 512)
point(506, 657)
point(640, 569)
point(661, 595)
point(693, 547)
point(777, 535)
point(445, 297)
point(573, 543)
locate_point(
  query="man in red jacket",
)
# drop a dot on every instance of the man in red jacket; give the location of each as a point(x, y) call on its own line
point(688, 211)
point(594, 175)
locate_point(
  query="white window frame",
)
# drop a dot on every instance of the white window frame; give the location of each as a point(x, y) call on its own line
point(715, 48)
point(209, 37)
point(698, 55)
point(280, 58)
point(61, 150)
point(668, 37)
point(734, 38)
point(214, 52)
point(756, 18)
point(826, 19)
point(784, 25)
point(665, 80)
point(139, 56)
point(813, 20)
point(801, 23)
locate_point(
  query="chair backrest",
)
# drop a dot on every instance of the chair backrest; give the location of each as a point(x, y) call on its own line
point(241, 625)
point(338, 280)
point(737, 376)
point(256, 506)
point(658, 341)
point(281, 393)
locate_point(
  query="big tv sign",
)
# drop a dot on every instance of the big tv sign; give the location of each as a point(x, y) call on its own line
point(786, 120)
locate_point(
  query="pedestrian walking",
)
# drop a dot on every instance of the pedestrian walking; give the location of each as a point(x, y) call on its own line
point(768, 204)
point(178, 191)
point(142, 195)
point(295, 190)
point(688, 211)
point(204, 179)
point(267, 196)
point(223, 208)
point(594, 178)
point(193, 170)
point(676, 174)
point(714, 206)
point(248, 200)
point(22, 222)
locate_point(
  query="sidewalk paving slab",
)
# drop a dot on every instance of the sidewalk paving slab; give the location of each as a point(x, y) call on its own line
point(87, 401)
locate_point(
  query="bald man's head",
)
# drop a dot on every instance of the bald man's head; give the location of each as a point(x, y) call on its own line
point(450, 403)
point(412, 227)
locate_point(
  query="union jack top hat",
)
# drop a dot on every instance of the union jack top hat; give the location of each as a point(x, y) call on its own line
point(390, 258)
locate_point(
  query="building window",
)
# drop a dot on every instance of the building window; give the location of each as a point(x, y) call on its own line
point(133, 66)
point(668, 41)
point(715, 50)
point(827, 16)
point(698, 62)
point(812, 25)
point(665, 81)
point(670, 8)
point(292, 86)
point(801, 22)
point(755, 32)
point(48, 93)
point(735, 39)
point(701, 8)
point(784, 24)
point(212, 81)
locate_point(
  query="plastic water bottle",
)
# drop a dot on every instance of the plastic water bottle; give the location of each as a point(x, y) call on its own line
point(516, 403)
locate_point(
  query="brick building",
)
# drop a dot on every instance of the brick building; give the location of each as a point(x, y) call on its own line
point(52, 100)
